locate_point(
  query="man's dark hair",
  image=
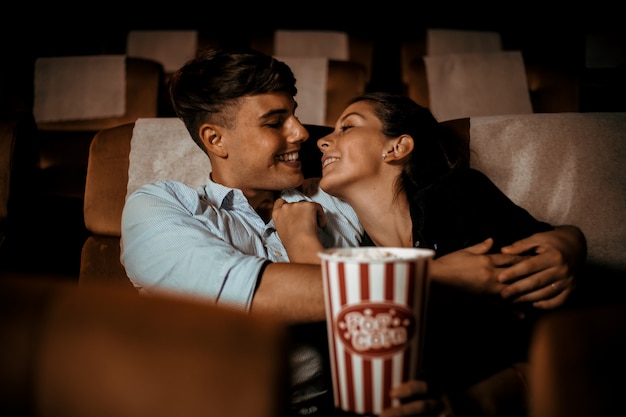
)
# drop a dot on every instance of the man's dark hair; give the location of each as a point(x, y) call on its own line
point(206, 88)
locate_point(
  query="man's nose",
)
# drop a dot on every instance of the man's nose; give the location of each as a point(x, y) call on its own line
point(298, 132)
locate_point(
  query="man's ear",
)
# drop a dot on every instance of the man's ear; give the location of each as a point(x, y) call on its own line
point(212, 139)
point(403, 146)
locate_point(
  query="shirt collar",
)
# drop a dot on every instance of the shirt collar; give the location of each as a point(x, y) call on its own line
point(225, 197)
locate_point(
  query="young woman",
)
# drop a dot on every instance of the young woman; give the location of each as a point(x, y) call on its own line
point(495, 265)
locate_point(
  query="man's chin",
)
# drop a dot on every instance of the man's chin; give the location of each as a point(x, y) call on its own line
point(287, 183)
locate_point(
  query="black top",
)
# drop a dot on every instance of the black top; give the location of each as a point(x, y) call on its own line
point(469, 337)
point(464, 209)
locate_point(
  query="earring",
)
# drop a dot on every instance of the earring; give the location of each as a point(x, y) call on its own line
point(384, 156)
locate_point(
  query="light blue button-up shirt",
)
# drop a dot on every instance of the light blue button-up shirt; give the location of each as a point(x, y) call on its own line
point(209, 242)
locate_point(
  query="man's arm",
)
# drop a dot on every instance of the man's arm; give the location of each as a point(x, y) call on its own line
point(547, 278)
point(167, 245)
point(293, 291)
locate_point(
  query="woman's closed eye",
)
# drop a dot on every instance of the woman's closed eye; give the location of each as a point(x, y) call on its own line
point(343, 128)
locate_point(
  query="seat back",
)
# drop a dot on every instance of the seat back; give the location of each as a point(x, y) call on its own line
point(104, 352)
point(141, 88)
point(348, 61)
point(477, 84)
point(434, 41)
point(564, 168)
point(171, 48)
point(576, 359)
point(359, 49)
point(551, 89)
point(64, 143)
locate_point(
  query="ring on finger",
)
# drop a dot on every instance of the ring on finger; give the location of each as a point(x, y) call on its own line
point(554, 286)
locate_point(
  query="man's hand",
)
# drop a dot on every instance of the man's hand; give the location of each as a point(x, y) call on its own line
point(547, 278)
point(298, 225)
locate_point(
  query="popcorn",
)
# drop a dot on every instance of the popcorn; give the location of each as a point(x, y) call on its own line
point(369, 253)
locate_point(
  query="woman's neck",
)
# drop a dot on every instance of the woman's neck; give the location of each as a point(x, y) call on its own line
point(385, 217)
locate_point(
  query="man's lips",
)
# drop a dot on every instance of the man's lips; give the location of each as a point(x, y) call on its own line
point(288, 157)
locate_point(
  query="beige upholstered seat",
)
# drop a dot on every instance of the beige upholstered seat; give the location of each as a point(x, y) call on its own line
point(64, 144)
point(348, 73)
point(63, 152)
point(551, 90)
point(564, 168)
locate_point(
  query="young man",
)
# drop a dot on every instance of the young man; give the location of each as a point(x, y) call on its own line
point(219, 242)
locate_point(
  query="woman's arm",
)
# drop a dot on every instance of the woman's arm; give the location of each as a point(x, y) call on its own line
point(546, 278)
point(536, 262)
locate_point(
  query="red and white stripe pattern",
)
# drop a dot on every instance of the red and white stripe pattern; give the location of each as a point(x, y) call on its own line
point(377, 335)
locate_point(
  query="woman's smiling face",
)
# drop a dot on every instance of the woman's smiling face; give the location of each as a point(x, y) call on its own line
point(352, 152)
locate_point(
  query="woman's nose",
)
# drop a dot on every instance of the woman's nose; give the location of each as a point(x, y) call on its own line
point(323, 142)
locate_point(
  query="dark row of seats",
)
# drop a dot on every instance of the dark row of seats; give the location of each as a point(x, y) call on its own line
point(70, 348)
point(60, 149)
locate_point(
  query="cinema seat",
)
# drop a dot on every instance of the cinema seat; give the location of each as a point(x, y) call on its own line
point(78, 352)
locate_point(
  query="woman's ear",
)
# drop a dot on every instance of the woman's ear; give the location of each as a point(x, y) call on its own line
point(402, 147)
point(212, 139)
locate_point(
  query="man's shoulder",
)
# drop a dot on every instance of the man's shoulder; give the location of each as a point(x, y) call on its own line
point(162, 185)
point(311, 188)
point(165, 190)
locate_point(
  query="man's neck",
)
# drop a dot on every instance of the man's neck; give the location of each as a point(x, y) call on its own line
point(264, 203)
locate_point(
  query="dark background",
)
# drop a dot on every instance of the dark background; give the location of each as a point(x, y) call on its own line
point(546, 33)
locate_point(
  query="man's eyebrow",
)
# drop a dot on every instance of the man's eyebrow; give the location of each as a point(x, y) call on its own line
point(273, 112)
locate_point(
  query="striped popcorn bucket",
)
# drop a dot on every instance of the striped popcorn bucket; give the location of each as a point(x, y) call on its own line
point(375, 307)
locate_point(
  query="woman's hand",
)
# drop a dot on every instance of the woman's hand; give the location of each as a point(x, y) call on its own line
point(298, 225)
point(502, 394)
point(415, 401)
point(547, 278)
point(472, 269)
